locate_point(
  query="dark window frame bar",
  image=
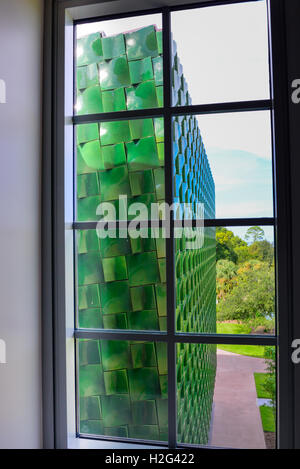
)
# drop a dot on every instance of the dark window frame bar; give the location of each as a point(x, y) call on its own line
point(54, 405)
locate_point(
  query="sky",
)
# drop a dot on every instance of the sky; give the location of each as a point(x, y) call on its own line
point(224, 53)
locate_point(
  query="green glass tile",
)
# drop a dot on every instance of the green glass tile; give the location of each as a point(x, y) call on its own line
point(113, 155)
point(160, 95)
point(116, 382)
point(81, 78)
point(143, 320)
point(89, 50)
point(87, 184)
point(142, 155)
point(91, 427)
point(158, 70)
point(162, 270)
point(141, 182)
point(115, 410)
point(142, 269)
point(114, 73)
point(115, 298)
point(115, 355)
point(91, 154)
point(159, 129)
point(90, 269)
point(92, 75)
point(114, 100)
point(163, 380)
point(91, 382)
point(143, 298)
point(113, 46)
point(143, 384)
point(161, 299)
point(142, 96)
point(82, 167)
point(111, 247)
point(90, 408)
point(141, 70)
point(141, 43)
point(114, 132)
point(147, 200)
point(143, 355)
point(90, 319)
point(144, 411)
point(161, 352)
point(159, 177)
point(87, 132)
point(141, 128)
point(115, 321)
point(161, 153)
point(114, 183)
point(87, 241)
point(120, 432)
point(89, 352)
point(114, 268)
point(159, 41)
point(163, 323)
point(162, 412)
point(145, 432)
point(88, 297)
point(90, 101)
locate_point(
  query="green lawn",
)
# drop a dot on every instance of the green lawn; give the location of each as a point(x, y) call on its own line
point(248, 350)
point(267, 418)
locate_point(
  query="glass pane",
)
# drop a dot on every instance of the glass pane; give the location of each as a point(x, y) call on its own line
point(121, 280)
point(123, 389)
point(119, 65)
point(224, 161)
point(226, 282)
point(220, 54)
point(226, 397)
point(118, 161)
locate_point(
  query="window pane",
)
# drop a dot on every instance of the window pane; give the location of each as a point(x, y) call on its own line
point(123, 389)
point(121, 281)
point(224, 161)
point(225, 281)
point(220, 54)
point(119, 65)
point(117, 160)
point(227, 397)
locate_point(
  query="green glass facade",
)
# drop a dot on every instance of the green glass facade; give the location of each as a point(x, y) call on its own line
point(121, 282)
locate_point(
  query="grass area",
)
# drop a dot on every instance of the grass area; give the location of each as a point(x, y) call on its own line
point(267, 418)
point(232, 328)
point(256, 351)
point(259, 383)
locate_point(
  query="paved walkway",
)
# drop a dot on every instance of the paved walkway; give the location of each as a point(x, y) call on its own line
point(236, 417)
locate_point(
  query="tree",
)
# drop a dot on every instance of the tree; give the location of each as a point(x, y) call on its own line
point(226, 273)
point(254, 233)
point(262, 251)
point(227, 243)
point(252, 295)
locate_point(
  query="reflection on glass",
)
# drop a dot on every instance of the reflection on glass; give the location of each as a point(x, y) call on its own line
point(121, 281)
point(123, 389)
point(119, 65)
point(226, 397)
point(220, 54)
point(226, 284)
point(117, 160)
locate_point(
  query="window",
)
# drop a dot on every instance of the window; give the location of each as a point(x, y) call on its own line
point(176, 328)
